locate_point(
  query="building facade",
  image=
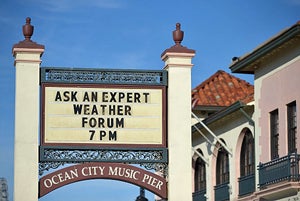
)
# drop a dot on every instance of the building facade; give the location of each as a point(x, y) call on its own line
point(249, 150)
point(223, 136)
point(276, 69)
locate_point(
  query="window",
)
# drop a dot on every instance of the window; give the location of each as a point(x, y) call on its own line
point(222, 167)
point(274, 128)
point(200, 174)
point(247, 155)
point(292, 127)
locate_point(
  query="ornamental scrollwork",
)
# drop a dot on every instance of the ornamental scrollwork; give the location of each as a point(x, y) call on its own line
point(151, 159)
point(105, 76)
point(46, 166)
point(79, 155)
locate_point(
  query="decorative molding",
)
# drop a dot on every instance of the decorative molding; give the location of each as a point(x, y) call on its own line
point(103, 76)
point(50, 165)
point(102, 155)
point(28, 50)
point(46, 166)
point(53, 157)
point(28, 61)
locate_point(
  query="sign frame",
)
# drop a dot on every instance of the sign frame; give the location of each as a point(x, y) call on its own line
point(91, 77)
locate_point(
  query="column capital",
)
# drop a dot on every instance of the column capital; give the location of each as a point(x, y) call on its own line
point(178, 55)
point(28, 50)
point(177, 59)
point(178, 50)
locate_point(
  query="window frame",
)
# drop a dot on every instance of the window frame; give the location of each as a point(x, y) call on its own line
point(247, 157)
point(200, 174)
point(274, 134)
point(292, 127)
point(222, 167)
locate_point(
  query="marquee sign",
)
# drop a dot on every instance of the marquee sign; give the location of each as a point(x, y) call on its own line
point(101, 118)
point(99, 114)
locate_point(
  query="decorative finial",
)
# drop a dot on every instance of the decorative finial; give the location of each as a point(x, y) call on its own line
point(28, 43)
point(178, 35)
point(178, 48)
point(28, 29)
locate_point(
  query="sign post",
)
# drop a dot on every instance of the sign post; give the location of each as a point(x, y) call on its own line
point(27, 63)
point(178, 64)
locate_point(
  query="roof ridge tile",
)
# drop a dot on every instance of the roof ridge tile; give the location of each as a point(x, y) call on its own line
point(222, 89)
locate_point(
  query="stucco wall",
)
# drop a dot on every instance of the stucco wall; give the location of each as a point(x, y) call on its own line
point(274, 91)
point(230, 129)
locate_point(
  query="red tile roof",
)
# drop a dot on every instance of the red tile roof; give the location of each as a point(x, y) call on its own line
point(222, 89)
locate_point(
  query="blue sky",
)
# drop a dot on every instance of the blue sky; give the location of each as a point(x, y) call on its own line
point(129, 35)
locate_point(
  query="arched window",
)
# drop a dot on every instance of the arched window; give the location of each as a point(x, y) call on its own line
point(222, 171)
point(200, 174)
point(247, 155)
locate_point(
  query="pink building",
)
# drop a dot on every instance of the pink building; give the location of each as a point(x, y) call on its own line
point(276, 68)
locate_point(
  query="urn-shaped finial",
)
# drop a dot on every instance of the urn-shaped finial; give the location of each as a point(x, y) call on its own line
point(178, 35)
point(28, 29)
